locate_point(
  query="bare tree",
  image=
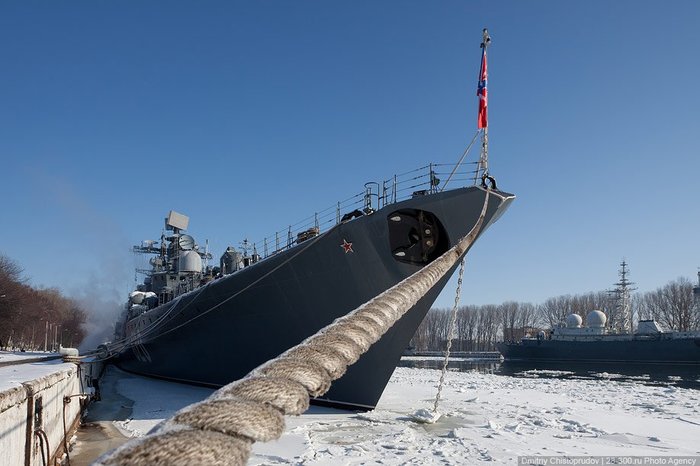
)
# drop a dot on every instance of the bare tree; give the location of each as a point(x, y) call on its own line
point(487, 329)
point(432, 332)
point(466, 327)
point(509, 312)
point(672, 305)
point(11, 295)
point(554, 310)
point(527, 316)
point(29, 317)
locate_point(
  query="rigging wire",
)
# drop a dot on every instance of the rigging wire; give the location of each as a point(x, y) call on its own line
point(466, 151)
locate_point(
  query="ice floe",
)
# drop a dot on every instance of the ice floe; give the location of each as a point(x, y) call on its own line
point(486, 419)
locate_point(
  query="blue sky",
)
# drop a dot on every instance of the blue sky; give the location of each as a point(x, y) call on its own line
point(248, 116)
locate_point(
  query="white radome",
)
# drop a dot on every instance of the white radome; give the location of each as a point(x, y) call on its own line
point(596, 319)
point(190, 262)
point(573, 321)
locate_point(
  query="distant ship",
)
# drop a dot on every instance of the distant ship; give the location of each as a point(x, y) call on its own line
point(597, 343)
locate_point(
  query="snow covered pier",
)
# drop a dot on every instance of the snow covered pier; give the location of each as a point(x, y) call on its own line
point(40, 405)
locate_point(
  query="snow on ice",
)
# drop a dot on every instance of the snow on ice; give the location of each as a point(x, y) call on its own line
point(486, 418)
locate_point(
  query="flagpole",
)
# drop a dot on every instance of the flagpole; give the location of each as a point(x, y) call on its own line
point(484, 159)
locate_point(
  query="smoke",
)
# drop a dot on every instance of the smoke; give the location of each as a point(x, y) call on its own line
point(102, 296)
point(100, 292)
point(99, 296)
point(103, 307)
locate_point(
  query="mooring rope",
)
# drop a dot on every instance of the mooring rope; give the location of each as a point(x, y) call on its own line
point(221, 429)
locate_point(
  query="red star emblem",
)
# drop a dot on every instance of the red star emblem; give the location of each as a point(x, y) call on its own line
point(347, 247)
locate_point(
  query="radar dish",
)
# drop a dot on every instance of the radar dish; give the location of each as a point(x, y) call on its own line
point(176, 220)
point(186, 242)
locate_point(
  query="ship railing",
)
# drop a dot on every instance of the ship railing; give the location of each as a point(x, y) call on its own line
point(427, 179)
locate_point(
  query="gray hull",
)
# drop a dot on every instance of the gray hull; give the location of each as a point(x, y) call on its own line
point(652, 350)
point(221, 331)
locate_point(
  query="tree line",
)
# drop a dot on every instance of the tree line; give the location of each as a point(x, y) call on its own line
point(35, 318)
point(479, 328)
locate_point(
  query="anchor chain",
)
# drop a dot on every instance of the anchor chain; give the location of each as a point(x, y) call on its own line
point(450, 335)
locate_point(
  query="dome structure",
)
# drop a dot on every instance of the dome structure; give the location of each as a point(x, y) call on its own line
point(573, 321)
point(596, 319)
point(189, 261)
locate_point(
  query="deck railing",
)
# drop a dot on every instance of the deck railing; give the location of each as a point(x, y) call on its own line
point(428, 179)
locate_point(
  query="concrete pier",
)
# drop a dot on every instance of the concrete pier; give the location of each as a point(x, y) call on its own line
point(40, 406)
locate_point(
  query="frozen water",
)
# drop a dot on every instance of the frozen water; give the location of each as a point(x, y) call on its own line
point(486, 418)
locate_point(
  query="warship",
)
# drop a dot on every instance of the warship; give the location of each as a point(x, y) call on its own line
point(596, 343)
point(599, 342)
point(209, 325)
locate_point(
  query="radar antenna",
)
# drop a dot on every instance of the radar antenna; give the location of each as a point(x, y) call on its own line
point(245, 246)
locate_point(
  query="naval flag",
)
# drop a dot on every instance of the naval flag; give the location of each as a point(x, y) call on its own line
point(483, 121)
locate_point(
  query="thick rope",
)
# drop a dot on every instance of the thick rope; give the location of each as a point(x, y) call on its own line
point(221, 429)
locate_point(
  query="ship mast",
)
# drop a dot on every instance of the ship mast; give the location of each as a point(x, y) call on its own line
point(696, 293)
point(482, 92)
point(622, 291)
point(482, 165)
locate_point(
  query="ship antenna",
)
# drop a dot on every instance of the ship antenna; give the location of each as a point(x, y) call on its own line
point(622, 291)
point(482, 167)
point(482, 92)
point(696, 292)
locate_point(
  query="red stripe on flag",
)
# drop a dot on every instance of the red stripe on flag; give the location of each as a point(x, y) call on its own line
point(481, 91)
